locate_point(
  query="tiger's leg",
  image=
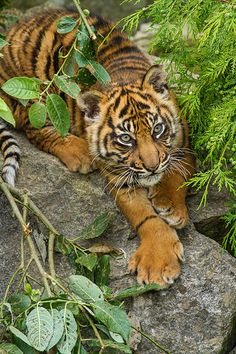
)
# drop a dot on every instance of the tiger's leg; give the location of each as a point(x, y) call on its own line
point(72, 150)
point(157, 258)
point(168, 199)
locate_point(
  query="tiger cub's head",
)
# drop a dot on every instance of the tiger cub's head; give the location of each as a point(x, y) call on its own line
point(133, 128)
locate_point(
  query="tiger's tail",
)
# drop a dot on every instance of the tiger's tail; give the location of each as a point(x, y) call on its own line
point(11, 154)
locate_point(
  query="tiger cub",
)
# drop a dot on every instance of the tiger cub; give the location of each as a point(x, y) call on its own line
point(130, 127)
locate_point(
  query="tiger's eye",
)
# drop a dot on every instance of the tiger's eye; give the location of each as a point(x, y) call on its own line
point(158, 129)
point(125, 138)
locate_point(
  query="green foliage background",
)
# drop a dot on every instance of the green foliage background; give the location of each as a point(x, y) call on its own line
point(196, 40)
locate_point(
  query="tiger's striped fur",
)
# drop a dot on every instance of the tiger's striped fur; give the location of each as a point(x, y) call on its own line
point(131, 128)
point(11, 154)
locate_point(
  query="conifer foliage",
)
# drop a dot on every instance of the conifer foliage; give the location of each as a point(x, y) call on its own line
point(197, 41)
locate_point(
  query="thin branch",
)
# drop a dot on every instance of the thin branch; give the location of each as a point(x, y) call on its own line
point(84, 19)
point(51, 263)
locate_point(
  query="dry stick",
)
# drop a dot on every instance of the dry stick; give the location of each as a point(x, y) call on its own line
point(27, 232)
point(52, 231)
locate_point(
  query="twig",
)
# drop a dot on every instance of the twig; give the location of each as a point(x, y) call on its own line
point(51, 263)
point(151, 340)
point(84, 19)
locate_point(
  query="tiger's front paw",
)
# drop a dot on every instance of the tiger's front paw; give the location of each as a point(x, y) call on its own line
point(173, 212)
point(74, 153)
point(158, 261)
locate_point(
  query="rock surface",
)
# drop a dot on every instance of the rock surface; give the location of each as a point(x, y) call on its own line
point(196, 315)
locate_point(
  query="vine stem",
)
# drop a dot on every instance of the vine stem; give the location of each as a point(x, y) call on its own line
point(151, 340)
point(84, 19)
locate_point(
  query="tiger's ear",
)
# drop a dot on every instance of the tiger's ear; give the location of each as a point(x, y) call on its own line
point(89, 104)
point(156, 78)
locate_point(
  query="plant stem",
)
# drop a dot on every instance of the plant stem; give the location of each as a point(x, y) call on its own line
point(84, 19)
point(51, 264)
point(151, 340)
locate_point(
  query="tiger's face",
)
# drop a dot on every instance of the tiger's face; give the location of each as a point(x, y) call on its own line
point(133, 129)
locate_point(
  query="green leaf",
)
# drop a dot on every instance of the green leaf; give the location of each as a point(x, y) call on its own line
point(96, 228)
point(69, 67)
point(102, 270)
point(138, 290)
point(9, 349)
point(81, 59)
point(66, 24)
point(113, 317)
point(85, 288)
point(99, 72)
point(67, 85)
point(25, 348)
point(23, 102)
point(58, 328)
point(63, 246)
point(22, 87)
point(19, 334)
point(109, 344)
point(69, 336)
point(3, 43)
point(85, 78)
point(86, 45)
point(19, 303)
point(37, 115)
point(58, 113)
point(39, 323)
point(87, 260)
point(3, 105)
point(5, 113)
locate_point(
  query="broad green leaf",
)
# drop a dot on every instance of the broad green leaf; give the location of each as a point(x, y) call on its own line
point(58, 113)
point(69, 337)
point(109, 344)
point(8, 117)
point(3, 43)
point(113, 317)
point(116, 337)
point(85, 288)
point(39, 323)
point(86, 45)
point(19, 334)
point(37, 115)
point(85, 78)
point(22, 87)
point(66, 24)
point(23, 102)
point(5, 113)
point(25, 348)
point(137, 290)
point(63, 246)
point(7, 348)
point(58, 328)
point(96, 228)
point(19, 303)
point(3, 105)
point(99, 72)
point(87, 260)
point(81, 59)
point(70, 66)
point(67, 85)
point(102, 270)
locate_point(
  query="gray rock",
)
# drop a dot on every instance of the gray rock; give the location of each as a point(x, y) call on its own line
point(196, 315)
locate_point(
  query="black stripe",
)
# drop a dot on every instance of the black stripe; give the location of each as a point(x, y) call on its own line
point(10, 165)
point(117, 102)
point(144, 220)
point(100, 22)
point(9, 144)
point(5, 138)
point(37, 46)
point(56, 59)
point(124, 110)
point(16, 155)
point(47, 67)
